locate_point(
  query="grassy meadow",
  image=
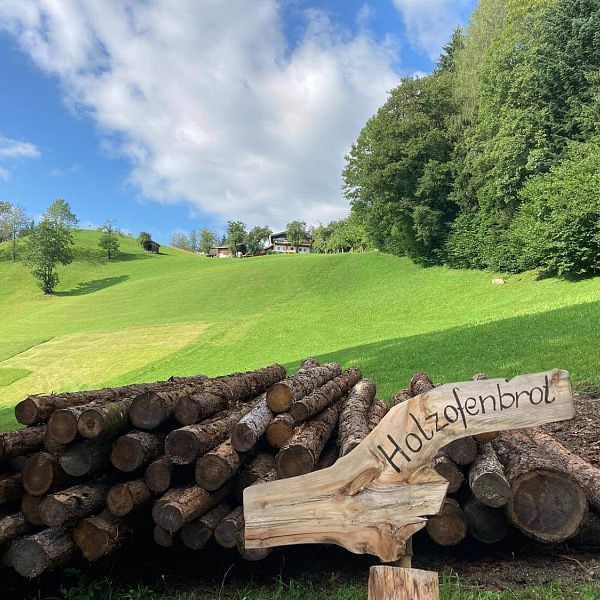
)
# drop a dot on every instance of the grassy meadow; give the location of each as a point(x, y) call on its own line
point(142, 317)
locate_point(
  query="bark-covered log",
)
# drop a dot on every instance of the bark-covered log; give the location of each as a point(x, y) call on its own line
point(462, 451)
point(198, 532)
point(73, 503)
point(486, 524)
point(547, 502)
point(582, 471)
point(13, 526)
point(250, 554)
point(100, 535)
point(85, 458)
point(420, 383)
point(250, 428)
point(447, 468)
point(258, 468)
point(487, 479)
point(104, 421)
point(589, 534)
point(185, 445)
point(162, 537)
point(324, 396)
point(281, 395)
point(18, 463)
point(226, 532)
point(217, 466)
point(402, 396)
point(34, 554)
point(171, 494)
point(280, 430)
point(135, 449)
point(449, 527)
point(52, 446)
point(37, 409)
point(43, 474)
point(301, 453)
point(328, 456)
point(124, 498)
point(21, 441)
point(376, 412)
point(11, 488)
point(62, 424)
point(30, 507)
point(353, 426)
point(217, 396)
point(189, 504)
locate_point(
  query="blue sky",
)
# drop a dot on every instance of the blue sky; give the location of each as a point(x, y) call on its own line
point(170, 116)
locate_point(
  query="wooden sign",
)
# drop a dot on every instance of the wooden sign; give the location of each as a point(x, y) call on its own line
point(376, 497)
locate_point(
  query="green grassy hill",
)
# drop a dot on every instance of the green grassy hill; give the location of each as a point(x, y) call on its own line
point(143, 317)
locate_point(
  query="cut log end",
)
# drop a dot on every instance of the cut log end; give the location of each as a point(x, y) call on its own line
point(162, 537)
point(30, 506)
point(280, 430)
point(27, 411)
point(212, 472)
point(32, 560)
point(450, 526)
point(492, 488)
point(243, 437)
point(299, 412)
point(279, 397)
point(181, 447)
point(187, 411)
point(195, 535)
point(91, 424)
point(158, 476)
point(127, 454)
point(39, 474)
point(62, 426)
point(120, 500)
point(170, 518)
point(549, 507)
point(294, 460)
point(147, 411)
point(53, 512)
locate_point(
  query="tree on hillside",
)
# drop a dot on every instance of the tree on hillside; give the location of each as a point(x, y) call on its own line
point(60, 212)
point(109, 240)
point(208, 239)
point(255, 241)
point(180, 240)
point(14, 221)
point(48, 245)
point(236, 236)
point(193, 241)
point(296, 233)
point(144, 239)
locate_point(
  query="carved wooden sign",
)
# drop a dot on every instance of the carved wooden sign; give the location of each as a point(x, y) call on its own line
point(374, 498)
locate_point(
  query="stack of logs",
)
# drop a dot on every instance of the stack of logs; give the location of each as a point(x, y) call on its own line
point(92, 468)
point(523, 478)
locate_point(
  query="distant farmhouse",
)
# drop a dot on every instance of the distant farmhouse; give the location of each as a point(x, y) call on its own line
point(279, 243)
point(225, 251)
point(151, 246)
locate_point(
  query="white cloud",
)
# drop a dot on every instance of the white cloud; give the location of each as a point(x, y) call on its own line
point(209, 103)
point(4, 174)
point(70, 170)
point(17, 149)
point(429, 23)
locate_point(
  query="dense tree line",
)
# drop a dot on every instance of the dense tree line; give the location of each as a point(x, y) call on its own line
point(492, 161)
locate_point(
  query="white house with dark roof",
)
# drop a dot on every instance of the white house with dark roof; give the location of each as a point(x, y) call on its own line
point(279, 243)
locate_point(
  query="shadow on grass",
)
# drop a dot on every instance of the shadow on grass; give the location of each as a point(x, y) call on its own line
point(98, 256)
point(89, 287)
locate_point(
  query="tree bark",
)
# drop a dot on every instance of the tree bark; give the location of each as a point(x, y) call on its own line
point(280, 430)
point(395, 583)
point(280, 396)
point(420, 383)
point(33, 554)
point(328, 456)
point(73, 503)
point(171, 494)
point(449, 527)
point(124, 498)
point(221, 392)
point(462, 451)
point(447, 468)
point(487, 479)
point(376, 412)
point(185, 445)
point(30, 507)
point(86, 458)
point(21, 441)
point(258, 468)
point(402, 396)
point(42, 474)
point(246, 433)
point(11, 488)
point(198, 532)
point(13, 526)
point(353, 426)
point(547, 502)
point(217, 466)
point(100, 535)
point(324, 396)
point(135, 449)
point(62, 424)
point(301, 453)
point(105, 421)
point(37, 409)
point(190, 504)
point(486, 524)
point(226, 532)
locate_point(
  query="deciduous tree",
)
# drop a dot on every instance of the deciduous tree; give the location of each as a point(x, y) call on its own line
point(109, 240)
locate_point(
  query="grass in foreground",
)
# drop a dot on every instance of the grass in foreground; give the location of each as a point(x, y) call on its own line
point(143, 317)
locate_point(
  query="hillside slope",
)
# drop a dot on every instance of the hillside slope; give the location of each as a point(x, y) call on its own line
point(141, 317)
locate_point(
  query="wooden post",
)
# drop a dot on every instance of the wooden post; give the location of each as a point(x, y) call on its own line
point(396, 583)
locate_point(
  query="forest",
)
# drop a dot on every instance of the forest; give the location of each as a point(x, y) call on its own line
point(491, 161)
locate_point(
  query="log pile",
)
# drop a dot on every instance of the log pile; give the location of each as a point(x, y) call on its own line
point(90, 468)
